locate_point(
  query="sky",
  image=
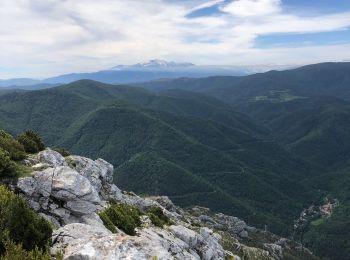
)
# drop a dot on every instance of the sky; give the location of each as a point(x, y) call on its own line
point(42, 38)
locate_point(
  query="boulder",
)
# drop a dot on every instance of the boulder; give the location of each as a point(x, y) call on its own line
point(98, 172)
point(275, 250)
point(68, 185)
point(185, 234)
point(52, 158)
point(61, 193)
point(165, 202)
point(206, 243)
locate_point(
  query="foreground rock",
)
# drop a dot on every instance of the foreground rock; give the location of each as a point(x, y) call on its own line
point(71, 191)
point(80, 241)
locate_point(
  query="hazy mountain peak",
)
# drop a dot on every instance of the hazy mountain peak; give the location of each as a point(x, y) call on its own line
point(154, 64)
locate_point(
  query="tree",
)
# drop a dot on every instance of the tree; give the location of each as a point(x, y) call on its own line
point(31, 141)
point(7, 166)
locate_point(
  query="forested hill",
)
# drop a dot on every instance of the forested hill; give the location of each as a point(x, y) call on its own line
point(194, 148)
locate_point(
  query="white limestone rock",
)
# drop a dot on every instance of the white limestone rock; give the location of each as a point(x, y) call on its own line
point(98, 172)
point(96, 244)
point(51, 158)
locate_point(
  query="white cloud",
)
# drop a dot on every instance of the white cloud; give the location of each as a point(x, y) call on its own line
point(249, 8)
point(46, 37)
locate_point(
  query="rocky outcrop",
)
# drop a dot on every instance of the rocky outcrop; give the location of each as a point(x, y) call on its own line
point(51, 158)
point(60, 193)
point(233, 225)
point(71, 191)
point(80, 241)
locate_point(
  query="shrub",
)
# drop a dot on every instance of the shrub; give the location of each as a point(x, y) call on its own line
point(157, 217)
point(16, 252)
point(62, 151)
point(123, 216)
point(15, 149)
point(7, 166)
point(20, 224)
point(31, 141)
point(3, 134)
point(107, 222)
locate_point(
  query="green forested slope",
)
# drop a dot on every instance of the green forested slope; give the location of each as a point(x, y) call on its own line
point(194, 148)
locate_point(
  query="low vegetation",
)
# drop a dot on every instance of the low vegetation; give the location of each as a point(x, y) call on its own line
point(22, 231)
point(7, 166)
point(12, 146)
point(24, 235)
point(127, 218)
point(13, 151)
point(62, 151)
point(31, 141)
point(157, 217)
point(122, 216)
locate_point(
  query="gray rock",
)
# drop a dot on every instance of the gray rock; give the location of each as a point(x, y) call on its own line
point(60, 192)
point(205, 218)
point(80, 207)
point(185, 234)
point(34, 205)
point(67, 184)
point(138, 202)
point(243, 234)
point(165, 202)
point(52, 158)
point(111, 191)
point(27, 185)
point(51, 219)
point(275, 250)
point(75, 232)
point(98, 172)
point(80, 241)
point(43, 181)
point(206, 243)
point(107, 170)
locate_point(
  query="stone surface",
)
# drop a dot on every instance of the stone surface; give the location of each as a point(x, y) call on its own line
point(148, 244)
point(52, 158)
point(61, 193)
point(98, 172)
point(275, 250)
point(84, 242)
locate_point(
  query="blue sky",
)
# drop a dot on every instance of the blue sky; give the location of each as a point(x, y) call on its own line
point(41, 38)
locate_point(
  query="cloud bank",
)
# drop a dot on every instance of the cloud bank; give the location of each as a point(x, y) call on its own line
point(41, 38)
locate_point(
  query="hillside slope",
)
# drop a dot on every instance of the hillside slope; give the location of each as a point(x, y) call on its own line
point(214, 152)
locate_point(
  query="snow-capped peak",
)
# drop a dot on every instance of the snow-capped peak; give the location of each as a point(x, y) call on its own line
point(154, 64)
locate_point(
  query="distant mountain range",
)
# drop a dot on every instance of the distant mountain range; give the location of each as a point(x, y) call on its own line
point(140, 72)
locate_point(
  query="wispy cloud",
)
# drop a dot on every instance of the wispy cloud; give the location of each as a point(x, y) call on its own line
point(48, 37)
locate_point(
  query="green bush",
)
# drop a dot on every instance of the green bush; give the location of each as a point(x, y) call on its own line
point(31, 141)
point(157, 217)
point(3, 134)
point(123, 216)
point(107, 222)
point(7, 166)
point(20, 224)
point(15, 149)
point(62, 151)
point(16, 252)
